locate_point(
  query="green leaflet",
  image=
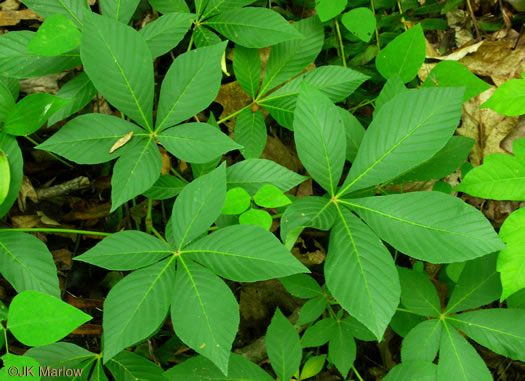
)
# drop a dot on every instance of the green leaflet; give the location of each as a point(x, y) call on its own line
point(5, 176)
point(27, 264)
point(61, 354)
point(165, 33)
point(289, 58)
point(418, 294)
point(168, 6)
point(244, 253)
point(136, 306)
point(420, 124)
point(80, 90)
point(204, 312)
point(127, 250)
point(412, 371)
point(360, 273)
point(135, 171)
point(118, 61)
point(283, 346)
point(120, 10)
point(422, 342)
point(342, 349)
point(32, 112)
point(10, 148)
point(190, 85)
point(404, 55)
point(247, 68)
point(165, 187)
point(500, 177)
point(57, 35)
point(317, 125)
point(200, 368)
point(511, 259)
point(250, 132)
point(328, 9)
point(38, 319)
point(361, 22)
point(73, 9)
point(131, 365)
point(509, 98)
point(18, 62)
point(416, 223)
point(458, 360)
point(253, 27)
point(88, 138)
point(198, 206)
point(454, 74)
point(196, 142)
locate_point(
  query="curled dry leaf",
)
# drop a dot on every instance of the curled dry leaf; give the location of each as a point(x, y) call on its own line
point(119, 143)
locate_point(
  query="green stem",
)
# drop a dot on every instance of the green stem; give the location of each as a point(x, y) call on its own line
point(149, 219)
point(157, 234)
point(5, 339)
point(357, 373)
point(53, 230)
point(178, 175)
point(234, 114)
point(372, 6)
point(340, 41)
point(51, 153)
point(191, 40)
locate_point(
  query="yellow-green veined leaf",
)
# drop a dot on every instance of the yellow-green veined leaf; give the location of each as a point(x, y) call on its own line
point(37, 319)
point(422, 342)
point(342, 349)
point(247, 68)
point(120, 10)
point(418, 294)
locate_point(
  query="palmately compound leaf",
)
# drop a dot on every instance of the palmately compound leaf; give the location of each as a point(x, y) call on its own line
point(198, 206)
point(18, 62)
point(496, 329)
point(119, 63)
point(88, 138)
point(430, 226)
point(458, 360)
point(244, 253)
point(320, 137)
point(204, 312)
point(422, 342)
point(196, 142)
point(37, 319)
point(127, 250)
point(420, 123)
point(360, 273)
point(404, 55)
point(500, 177)
point(283, 346)
point(136, 306)
point(252, 174)
point(253, 27)
point(27, 264)
point(512, 259)
point(200, 368)
point(190, 85)
point(9, 146)
point(135, 171)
